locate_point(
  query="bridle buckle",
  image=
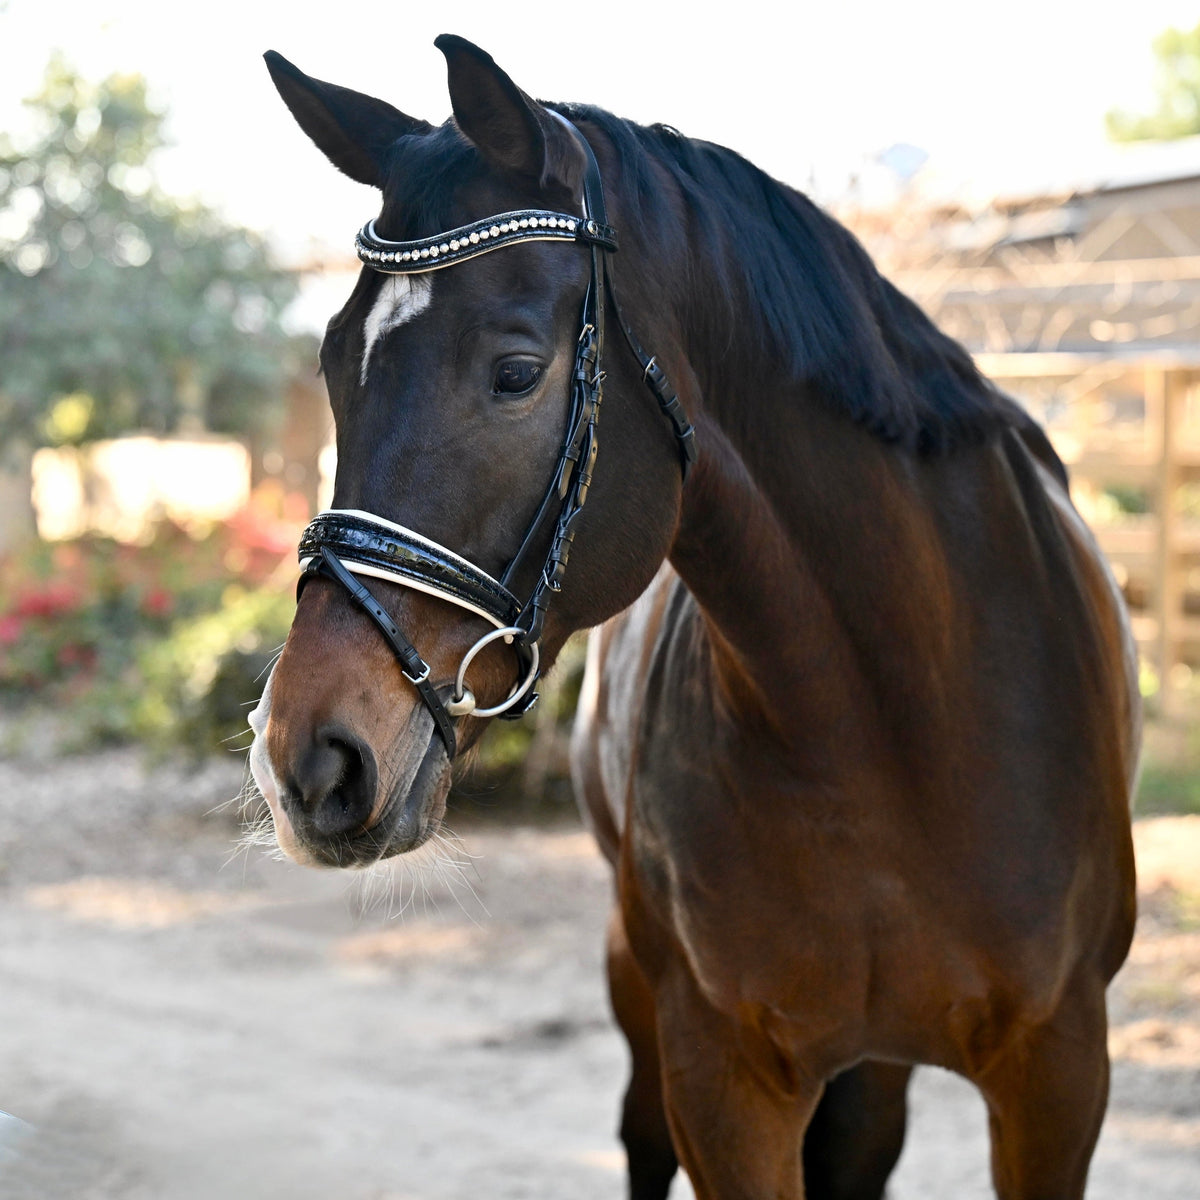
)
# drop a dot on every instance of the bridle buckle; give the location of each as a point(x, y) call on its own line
point(424, 675)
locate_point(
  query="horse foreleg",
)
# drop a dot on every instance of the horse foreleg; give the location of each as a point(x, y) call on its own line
point(856, 1134)
point(652, 1161)
point(737, 1107)
point(1046, 1095)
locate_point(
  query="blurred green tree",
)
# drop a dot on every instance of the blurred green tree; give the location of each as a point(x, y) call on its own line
point(1178, 112)
point(123, 308)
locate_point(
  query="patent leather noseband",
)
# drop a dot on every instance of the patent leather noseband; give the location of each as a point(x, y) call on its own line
point(342, 544)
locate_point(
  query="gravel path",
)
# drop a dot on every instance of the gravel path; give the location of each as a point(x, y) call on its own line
point(179, 1025)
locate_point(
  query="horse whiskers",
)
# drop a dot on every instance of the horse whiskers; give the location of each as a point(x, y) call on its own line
point(453, 842)
point(395, 886)
point(258, 826)
point(374, 888)
point(450, 844)
point(270, 666)
point(246, 797)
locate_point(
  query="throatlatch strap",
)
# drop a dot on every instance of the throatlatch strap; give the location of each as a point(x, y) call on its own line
point(656, 379)
point(653, 374)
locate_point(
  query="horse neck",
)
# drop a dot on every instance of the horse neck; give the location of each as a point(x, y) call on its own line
point(809, 543)
point(812, 552)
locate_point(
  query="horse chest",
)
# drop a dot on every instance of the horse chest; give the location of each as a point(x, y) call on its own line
point(775, 889)
point(759, 906)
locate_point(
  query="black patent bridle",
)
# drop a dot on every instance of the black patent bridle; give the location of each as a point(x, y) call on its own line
point(341, 544)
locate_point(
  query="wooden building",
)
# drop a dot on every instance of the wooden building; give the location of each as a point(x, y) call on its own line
point(1083, 301)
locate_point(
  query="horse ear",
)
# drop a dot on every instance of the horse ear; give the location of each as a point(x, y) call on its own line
point(352, 130)
point(509, 129)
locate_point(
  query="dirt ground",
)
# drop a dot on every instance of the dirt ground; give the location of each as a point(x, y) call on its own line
point(177, 1023)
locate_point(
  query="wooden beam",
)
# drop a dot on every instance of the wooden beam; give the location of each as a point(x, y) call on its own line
point(1164, 397)
point(1047, 363)
point(1053, 274)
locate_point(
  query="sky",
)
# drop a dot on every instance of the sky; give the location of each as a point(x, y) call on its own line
point(1001, 96)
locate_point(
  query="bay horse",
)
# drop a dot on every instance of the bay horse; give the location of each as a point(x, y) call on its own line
point(859, 734)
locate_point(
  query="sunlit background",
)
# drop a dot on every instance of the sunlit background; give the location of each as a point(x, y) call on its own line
point(1007, 95)
point(999, 140)
point(171, 246)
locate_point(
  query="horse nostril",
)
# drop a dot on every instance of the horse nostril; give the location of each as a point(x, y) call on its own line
point(335, 785)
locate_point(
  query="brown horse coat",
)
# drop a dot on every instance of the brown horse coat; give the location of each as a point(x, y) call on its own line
point(864, 778)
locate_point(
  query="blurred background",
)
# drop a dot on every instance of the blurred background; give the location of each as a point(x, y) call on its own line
point(171, 246)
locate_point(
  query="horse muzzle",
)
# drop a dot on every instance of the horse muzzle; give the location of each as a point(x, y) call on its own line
point(340, 795)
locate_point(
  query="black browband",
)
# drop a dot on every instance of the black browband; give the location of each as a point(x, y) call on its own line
point(342, 544)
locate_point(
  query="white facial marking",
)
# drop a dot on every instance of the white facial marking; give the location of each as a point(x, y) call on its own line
point(264, 776)
point(400, 299)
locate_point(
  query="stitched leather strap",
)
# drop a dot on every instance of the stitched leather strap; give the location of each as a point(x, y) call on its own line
point(656, 379)
point(415, 668)
point(391, 551)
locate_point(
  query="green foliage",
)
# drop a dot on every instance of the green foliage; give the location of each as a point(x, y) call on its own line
point(1168, 788)
point(1128, 500)
point(1178, 86)
point(161, 642)
point(197, 684)
point(121, 307)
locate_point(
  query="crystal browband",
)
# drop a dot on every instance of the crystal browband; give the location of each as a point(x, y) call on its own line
point(456, 245)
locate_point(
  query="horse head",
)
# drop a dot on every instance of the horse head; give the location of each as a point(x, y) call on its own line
point(456, 379)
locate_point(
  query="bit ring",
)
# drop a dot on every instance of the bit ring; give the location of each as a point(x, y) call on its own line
point(462, 702)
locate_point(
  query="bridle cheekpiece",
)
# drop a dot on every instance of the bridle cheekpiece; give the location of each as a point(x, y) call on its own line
point(341, 544)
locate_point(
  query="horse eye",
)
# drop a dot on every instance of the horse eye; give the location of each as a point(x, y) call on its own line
point(515, 376)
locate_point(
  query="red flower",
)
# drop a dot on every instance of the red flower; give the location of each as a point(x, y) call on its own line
point(157, 602)
point(11, 627)
point(51, 601)
point(73, 655)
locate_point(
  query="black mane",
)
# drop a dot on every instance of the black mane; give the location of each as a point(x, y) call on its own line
point(779, 291)
point(782, 267)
